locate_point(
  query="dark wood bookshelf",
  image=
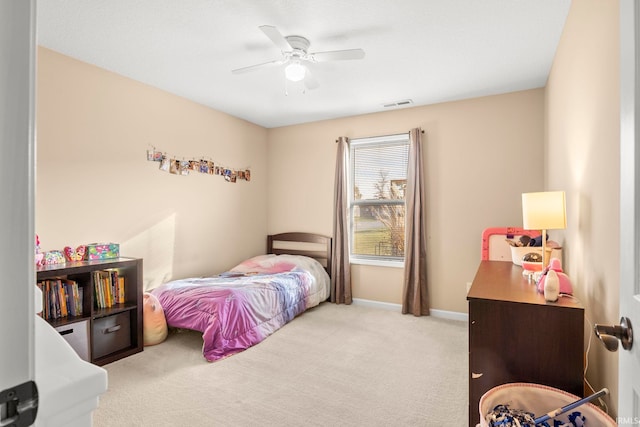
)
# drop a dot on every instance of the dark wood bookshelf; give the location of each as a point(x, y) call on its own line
point(105, 342)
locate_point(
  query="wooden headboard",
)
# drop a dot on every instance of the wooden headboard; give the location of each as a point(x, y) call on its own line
point(314, 246)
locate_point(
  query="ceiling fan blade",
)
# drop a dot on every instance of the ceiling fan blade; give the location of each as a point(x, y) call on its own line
point(310, 81)
point(257, 66)
point(276, 37)
point(338, 55)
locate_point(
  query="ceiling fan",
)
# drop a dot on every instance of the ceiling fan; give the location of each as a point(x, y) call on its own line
point(296, 58)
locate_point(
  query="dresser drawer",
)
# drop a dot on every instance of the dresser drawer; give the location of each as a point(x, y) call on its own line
point(110, 334)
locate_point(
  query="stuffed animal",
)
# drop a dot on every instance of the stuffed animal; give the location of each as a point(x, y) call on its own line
point(564, 282)
point(154, 322)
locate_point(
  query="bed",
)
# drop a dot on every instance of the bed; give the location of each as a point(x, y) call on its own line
point(241, 307)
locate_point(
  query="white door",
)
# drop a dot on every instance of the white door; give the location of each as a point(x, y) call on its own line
point(629, 361)
point(17, 318)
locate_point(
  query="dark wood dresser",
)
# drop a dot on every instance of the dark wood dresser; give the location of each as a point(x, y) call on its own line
point(517, 336)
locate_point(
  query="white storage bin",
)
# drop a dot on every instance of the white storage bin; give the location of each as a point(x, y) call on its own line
point(77, 335)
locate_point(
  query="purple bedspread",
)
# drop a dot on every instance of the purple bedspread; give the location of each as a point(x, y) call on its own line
point(237, 310)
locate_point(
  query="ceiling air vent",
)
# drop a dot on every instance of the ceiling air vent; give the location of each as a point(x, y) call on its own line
point(402, 103)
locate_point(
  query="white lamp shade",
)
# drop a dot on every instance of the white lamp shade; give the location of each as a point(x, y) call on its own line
point(295, 71)
point(544, 210)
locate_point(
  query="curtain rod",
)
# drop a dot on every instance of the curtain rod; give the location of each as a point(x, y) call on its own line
point(380, 136)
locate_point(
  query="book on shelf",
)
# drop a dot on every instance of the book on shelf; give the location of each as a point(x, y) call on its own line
point(73, 300)
point(60, 298)
point(55, 299)
point(109, 288)
point(98, 290)
point(121, 290)
point(114, 287)
point(106, 288)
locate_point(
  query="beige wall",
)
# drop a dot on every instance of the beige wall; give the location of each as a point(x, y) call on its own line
point(480, 155)
point(94, 183)
point(582, 158)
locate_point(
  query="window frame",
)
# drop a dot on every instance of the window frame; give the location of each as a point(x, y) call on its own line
point(354, 144)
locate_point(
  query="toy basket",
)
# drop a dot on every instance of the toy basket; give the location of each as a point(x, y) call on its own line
point(539, 400)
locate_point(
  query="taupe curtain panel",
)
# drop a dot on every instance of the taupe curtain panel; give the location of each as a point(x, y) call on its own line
point(415, 297)
point(340, 267)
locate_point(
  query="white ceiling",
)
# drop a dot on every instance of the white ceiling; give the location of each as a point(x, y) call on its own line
point(428, 51)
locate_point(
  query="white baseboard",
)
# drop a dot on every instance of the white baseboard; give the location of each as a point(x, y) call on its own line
point(451, 315)
point(442, 314)
point(377, 304)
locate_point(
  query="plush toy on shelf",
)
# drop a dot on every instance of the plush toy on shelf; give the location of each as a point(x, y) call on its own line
point(77, 254)
point(39, 258)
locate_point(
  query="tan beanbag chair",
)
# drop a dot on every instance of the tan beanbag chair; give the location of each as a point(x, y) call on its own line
point(154, 322)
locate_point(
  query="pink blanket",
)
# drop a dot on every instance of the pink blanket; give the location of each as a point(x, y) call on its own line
point(243, 306)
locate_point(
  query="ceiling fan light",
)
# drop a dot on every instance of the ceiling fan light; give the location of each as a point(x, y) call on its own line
point(294, 72)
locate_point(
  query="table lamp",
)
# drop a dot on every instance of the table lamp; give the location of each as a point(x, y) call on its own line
point(544, 211)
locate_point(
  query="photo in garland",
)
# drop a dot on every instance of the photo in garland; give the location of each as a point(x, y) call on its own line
point(184, 167)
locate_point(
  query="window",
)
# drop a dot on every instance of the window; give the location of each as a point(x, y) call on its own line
point(377, 184)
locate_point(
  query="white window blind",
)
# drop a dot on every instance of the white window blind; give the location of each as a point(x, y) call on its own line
point(378, 179)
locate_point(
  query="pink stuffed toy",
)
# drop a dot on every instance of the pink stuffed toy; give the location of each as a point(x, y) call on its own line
point(565, 283)
point(154, 322)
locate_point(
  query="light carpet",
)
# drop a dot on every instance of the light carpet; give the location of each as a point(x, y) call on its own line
point(334, 365)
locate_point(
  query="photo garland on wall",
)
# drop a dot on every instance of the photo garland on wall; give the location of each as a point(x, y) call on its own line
point(182, 167)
